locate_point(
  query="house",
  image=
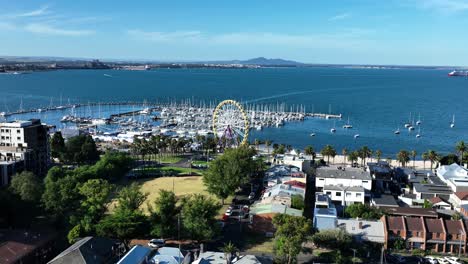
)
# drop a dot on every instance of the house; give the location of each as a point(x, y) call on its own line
point(458, 199)
point(137, 255)
point(455, 176)
point(382, 174)
point(283, 173)
point(439, 203)
point(383, 200)
point(26, 246)
point(283, 190)
point(363, 230)
point(90, 250)
point(325, 215)
point(261, 216)
point(437, 235)
point(346, 195)
point(346, 177)
point(294, 159)
point(408, 211)
point(211, 257)
point(429, 190)
point(168, 255)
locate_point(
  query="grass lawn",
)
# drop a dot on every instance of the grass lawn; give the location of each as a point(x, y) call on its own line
point(258, 243)
point(173, 169)
point(182, 186)
point(170, 159)
point(199, 162)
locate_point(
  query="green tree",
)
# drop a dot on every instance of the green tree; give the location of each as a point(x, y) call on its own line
point(364, 153)
point(403, 157)
point(81, 149)
point(95, 196)
point(268, 144)
point(297, 202)
point(413, 155)
point(433, 157)
point(291, 233)
point(198, 216)
point(127, 221)
point(457, 216)
point(449, 159)
point(163, 217)
point(57, 145)
point(364, 211)
point(461, 148)
point(399, 244)
point(309, 150)
point(332, 239)
point(378, 155)
point(328, 151)
point(425, 157)
point(344, 152)
point(281, 149)
point(353, 157)
point(27, 186)
point(229, 249)
point(229, 171)
point(131, 198)
point(427, 204)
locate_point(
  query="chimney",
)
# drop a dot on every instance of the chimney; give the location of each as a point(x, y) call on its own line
point(360, 224)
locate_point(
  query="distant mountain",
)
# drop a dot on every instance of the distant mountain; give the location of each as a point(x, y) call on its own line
point(266, 62)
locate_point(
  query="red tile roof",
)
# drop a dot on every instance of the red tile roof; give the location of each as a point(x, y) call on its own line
point(414, 224)
point(453, 226)
point(296, 184)
point(462, 195)
point(435, 200)
point(395, 222)
point(434, 225)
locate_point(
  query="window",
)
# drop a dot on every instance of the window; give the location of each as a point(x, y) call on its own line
point(18, 131)
point(338, 193)
point(359, 195)
point(3, 130)
point(328, 193)
point(365, 181)
point(321, 179)
point(348, 194)
point(3, 137)
point(18, 138)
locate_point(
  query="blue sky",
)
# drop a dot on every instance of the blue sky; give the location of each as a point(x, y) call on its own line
point(416, 32)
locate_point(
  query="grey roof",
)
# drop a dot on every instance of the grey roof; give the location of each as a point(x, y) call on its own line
point(370, 230)
point(343, 173)
point(344, 188)
point(211, 257)
point(325, 218)
point(135, 255)
point(88, 250)
point(384, 200)
point(432, 188)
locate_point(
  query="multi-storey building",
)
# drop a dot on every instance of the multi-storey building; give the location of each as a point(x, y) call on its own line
point(23, 145)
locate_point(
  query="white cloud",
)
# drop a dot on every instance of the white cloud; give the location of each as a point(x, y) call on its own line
point(340, 17)
point(38, 12)
point(345, 38)
point(45, 29)
point(159, 36)
point(444, 5)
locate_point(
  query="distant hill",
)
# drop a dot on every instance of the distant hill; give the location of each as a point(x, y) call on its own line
point(266, 61)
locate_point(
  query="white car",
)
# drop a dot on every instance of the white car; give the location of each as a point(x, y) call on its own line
point(442, 261)
point(156, 243)
point(251, 196)
point(432, 260)
point(228, 212)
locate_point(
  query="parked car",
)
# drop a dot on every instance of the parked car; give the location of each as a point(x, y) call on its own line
point(156, 243)
point(251, 196)
point(432, 260)
point(228, 212)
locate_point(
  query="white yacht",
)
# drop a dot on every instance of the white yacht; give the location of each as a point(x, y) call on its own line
point(452, 125)
point(419, 120)
point(397, 132)
point(312, 134)
point(356, 136)
point(419, 133)
point(347, 125)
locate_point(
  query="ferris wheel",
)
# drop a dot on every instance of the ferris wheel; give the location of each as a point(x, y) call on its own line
point(230, 124)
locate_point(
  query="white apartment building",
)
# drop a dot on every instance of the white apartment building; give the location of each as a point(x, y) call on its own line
point(341, 176)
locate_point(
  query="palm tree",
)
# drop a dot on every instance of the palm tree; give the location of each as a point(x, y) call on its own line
point(344, 152)
point(257, 143)
point(425, 157)
point(228, 250)
point(364, 153)
point(433, 157)
point(309, 150)
point(378, 154)
point(403, 157)
point(353, 157)
point(461, 148)
point(268, 144)
point(328, 151)
point(413, 154)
